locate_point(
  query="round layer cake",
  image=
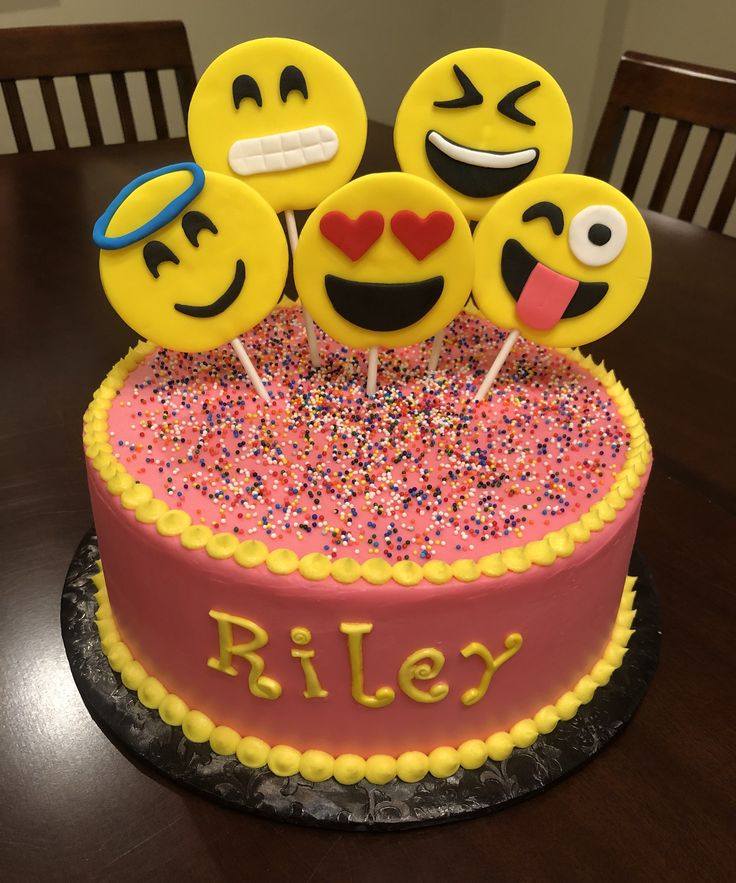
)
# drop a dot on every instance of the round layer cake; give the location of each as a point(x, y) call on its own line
point(349, 586)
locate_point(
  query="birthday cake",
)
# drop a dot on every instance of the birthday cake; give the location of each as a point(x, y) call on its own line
point(351, 587)
point(349, 554)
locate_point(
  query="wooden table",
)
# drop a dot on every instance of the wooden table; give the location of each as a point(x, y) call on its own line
point(654, 806)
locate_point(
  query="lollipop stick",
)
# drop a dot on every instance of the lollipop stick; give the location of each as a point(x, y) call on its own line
point(372, 371)
point(434, 356)
point(250, 370)
point(503, 354)
point(308, 321)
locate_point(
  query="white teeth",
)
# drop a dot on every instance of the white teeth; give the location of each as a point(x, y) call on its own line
point(488, 159)
point(283, 151)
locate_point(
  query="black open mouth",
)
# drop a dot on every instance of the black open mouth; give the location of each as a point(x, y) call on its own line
point(223, 302)
point(490, 173)
point(516, 268)
point(383, 306)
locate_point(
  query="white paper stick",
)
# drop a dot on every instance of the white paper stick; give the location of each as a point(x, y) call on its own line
point(372, 371)
point(308, 321)
point(503, 354)
point(434, 356)
point(240, 352)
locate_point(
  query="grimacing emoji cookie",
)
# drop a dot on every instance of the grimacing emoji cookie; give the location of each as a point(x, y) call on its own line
point(281, 115)
point(564, 259)
point(478, 122)
point(386, 261)
point(191, 259)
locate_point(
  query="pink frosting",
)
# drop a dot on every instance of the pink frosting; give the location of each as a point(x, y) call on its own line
point(421, 471)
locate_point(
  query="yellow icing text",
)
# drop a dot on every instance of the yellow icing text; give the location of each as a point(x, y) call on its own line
point(475, 694)
point(383, 695)
point(423, 665)
point(261, 686)
point(302, 636)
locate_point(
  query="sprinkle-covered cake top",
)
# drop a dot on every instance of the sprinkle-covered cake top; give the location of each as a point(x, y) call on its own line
point(418, 472)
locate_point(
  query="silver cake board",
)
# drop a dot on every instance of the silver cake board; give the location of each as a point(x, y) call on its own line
point(140, 732)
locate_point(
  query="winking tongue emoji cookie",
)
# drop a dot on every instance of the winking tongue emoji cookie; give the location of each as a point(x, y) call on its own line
point(563, 260)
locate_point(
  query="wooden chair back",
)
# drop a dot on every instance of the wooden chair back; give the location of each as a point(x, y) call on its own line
point(691, 95)
point(79, 51)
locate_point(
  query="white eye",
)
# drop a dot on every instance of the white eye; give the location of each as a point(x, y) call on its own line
point(597, 235)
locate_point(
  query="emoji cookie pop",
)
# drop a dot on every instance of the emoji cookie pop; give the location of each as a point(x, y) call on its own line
point(387, 260)
point(286, 118)
point(563, 260)
point(479, 122)
point(191, 259)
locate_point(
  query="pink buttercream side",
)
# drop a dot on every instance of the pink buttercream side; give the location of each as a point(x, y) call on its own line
point(161, 595)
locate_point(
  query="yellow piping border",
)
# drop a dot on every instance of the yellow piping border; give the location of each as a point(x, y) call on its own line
point(317, 766)
point(377, 571)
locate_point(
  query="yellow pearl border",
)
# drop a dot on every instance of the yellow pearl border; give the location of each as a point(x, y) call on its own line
point(378, 769)
point(316, 567)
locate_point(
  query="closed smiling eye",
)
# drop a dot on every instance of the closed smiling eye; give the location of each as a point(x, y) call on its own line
point(244, 86)
point(193, 223)
point(507, 105)
point(548, 210)
point(155, 253)
point(470, 97)
point(292, 80)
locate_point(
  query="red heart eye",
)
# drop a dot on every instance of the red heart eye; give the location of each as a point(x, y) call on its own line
point(352, 237)
point(421, 236)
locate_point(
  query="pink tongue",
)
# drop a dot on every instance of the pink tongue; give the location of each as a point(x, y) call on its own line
point(544, 298)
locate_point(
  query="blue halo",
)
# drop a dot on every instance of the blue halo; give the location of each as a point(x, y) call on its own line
point(167, 213)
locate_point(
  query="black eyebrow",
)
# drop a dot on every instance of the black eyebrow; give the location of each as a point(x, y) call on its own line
point(549, 211)
point(507, 105)
point(193, 223)
point(292, 80)
point(155, 253)
point(244, 86)
point(470, 96)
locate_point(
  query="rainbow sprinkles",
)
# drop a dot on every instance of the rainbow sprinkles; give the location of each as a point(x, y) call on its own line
point(418, 473)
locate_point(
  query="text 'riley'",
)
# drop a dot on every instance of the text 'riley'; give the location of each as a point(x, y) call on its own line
point(424, 664)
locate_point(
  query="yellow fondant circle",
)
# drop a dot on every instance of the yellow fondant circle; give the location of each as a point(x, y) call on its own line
point(535, 233)
point(387, 261)
point(281, 115)
point(205, 277)
point(479, 122)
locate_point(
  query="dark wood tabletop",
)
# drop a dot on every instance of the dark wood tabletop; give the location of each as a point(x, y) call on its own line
point(657, 804)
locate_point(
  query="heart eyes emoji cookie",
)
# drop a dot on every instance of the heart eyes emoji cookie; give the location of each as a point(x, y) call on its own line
point(387, 260)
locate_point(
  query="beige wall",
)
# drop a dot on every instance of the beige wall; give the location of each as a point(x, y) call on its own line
point(570, 53)
point(386, 43)
point(702, 33)
point(383, 43)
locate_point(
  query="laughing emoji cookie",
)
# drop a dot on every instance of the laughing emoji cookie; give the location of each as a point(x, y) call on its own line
point(387, 261)
point(191, 259)
point(282, 116)
point(478, 122)
point(564, 259)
